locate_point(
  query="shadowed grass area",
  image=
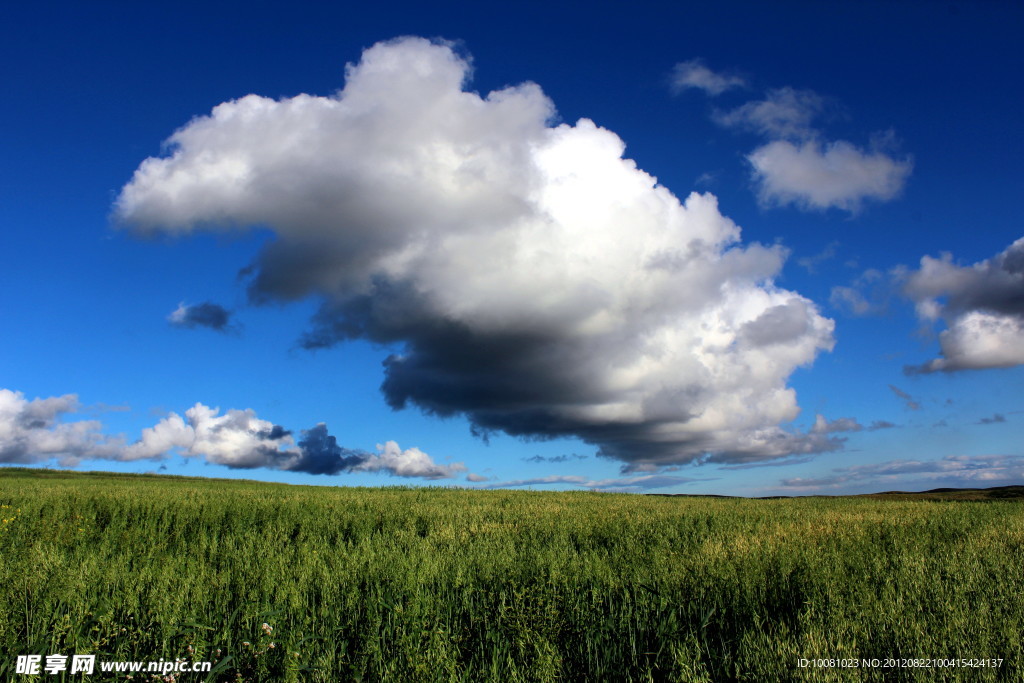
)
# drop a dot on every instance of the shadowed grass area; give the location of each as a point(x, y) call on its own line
point(435, 584)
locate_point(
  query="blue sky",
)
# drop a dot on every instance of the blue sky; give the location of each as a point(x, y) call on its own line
point(420, 255)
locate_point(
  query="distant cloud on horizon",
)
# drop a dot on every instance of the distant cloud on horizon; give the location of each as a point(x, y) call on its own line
point(954, 470)
point(34, 431)
point(616, 485)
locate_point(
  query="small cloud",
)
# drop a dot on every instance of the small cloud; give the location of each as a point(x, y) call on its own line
point(982, 306)
point(555, 458)
point(867, 294)
point(694, 74)
point(995, 419)
point(106, 408)
point(205, 314)
point(908, 400)
point(411, 462)
point(707, 179)
point(837, 175)
point(476, 477)
point(881, 424)
point(842, 424)
point(810, 263)
point(784, 113)
point(849, 299)
point(797, 166)
point(787, 462)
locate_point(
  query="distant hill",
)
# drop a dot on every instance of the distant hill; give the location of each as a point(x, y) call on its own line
point(992, 493)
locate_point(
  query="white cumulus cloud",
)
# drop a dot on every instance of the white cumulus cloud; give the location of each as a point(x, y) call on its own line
point(835, 175)
point(534, 279)
point(797, 166)
point(239, 439)
point(982, 306)
point(236, 439)
point(411, 462)
point(35, 431)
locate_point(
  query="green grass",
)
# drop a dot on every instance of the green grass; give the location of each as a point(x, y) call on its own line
point(404, 584)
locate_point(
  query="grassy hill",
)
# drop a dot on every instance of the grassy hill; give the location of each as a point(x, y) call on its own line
point(270, 582)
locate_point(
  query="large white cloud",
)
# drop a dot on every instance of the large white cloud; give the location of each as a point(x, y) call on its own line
point(534, 279)
point(982, 305)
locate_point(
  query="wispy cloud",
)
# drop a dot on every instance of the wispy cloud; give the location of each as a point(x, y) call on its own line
point(849, 299)
point(908, 400)
point(811, 263)
point(784, 113)
point(621, 484)
point(565, 457)
point(953, 470)
point(694, 74)
point(842, 424)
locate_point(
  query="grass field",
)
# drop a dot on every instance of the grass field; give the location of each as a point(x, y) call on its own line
point(434, 584)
